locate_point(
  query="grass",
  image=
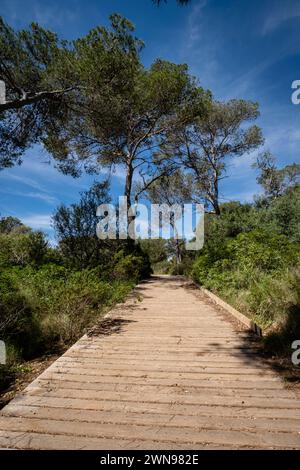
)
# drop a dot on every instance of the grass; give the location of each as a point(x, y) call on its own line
point(49, 309)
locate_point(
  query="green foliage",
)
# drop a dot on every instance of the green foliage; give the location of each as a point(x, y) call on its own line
point(161, 267)
point(276, 181)
point(22, 248)
point(17, 322)
point(284, 306)
point(66, 302)
point(283, 214)
point(10, 224)
point(251, 258)
point(75, 228)
point(131, 258)
point(26, 58)
point(46, 77)
point(156, 250)
point(205, 144)
point(236, 218)
point(44, 310)
point(122, 118)
point(47, 302)
point(127, 267)
point(237, 261)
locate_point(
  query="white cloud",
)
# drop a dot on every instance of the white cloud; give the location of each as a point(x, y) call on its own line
point(23, 180)
point(199, 50)
point(283, 140)
point(43, 197)
point(34, 195)
point(117, 172)
point(49, 16)
point(194, 24)
point(244, 161)
point(38, 221)
point(242, 196)
point(281, 12)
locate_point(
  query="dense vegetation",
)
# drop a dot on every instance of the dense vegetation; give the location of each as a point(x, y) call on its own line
point(252, 259)
point(48, 300)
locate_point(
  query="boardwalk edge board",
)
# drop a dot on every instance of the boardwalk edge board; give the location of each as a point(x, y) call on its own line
point(238, 315)
point(235, 313)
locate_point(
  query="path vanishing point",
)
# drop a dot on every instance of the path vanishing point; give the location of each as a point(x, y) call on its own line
point(166, 371)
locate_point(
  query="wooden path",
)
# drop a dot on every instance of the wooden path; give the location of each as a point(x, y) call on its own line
point(167, 372)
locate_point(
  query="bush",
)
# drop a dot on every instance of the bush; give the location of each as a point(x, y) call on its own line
point(162, 267)
point(258, 273)
point(44, 310)
point(47, 301)
point(283, 215)
point(285, 298)
point(21, 249)
point(66, 302)
point(18, 325)
point(244, 255)
point(130, 267)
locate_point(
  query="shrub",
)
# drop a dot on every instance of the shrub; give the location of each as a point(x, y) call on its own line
point(162, 267)
point(129, 267)
point(283, 215)
point(66, 302)
point(21, 249)
point(44, 310)
point(46, 303)
point(18, 325)
point(258, 273)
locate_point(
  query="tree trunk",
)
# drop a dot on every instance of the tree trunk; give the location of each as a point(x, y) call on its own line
point(128, 182)
point(217, 208)
point(216, 193)
point(127, 192)
point(178, 253)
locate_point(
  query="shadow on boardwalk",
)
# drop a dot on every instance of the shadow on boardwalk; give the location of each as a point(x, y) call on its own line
point(108, 326)
point(166, 370)
point(282, 365)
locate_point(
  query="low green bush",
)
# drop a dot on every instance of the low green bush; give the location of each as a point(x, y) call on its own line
point(45, 310)
point(258, 273)
point(48, 301)
point(128, 267)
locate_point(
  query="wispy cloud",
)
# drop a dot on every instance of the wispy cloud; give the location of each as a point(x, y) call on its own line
point(43, 197)
point(281, 12)
point(22, 179)
point(245, 161)
point(284, 142)
point(38, 221)
point(243, 196)
point(117, 172)
point(49, 15)
point(33, 195)
point(194, 24)
point(199, 46)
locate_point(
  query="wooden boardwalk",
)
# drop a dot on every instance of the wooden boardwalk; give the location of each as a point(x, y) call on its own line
point(167, 372)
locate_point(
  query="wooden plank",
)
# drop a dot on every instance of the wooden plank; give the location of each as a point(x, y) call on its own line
point(176, 376)
point(238, 315)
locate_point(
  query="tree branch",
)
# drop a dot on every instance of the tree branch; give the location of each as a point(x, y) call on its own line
point(26, 100)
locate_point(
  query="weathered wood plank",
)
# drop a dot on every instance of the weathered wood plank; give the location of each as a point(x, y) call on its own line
point(175, 376)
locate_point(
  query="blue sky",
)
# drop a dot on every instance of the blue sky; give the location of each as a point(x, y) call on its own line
point(237, 49)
